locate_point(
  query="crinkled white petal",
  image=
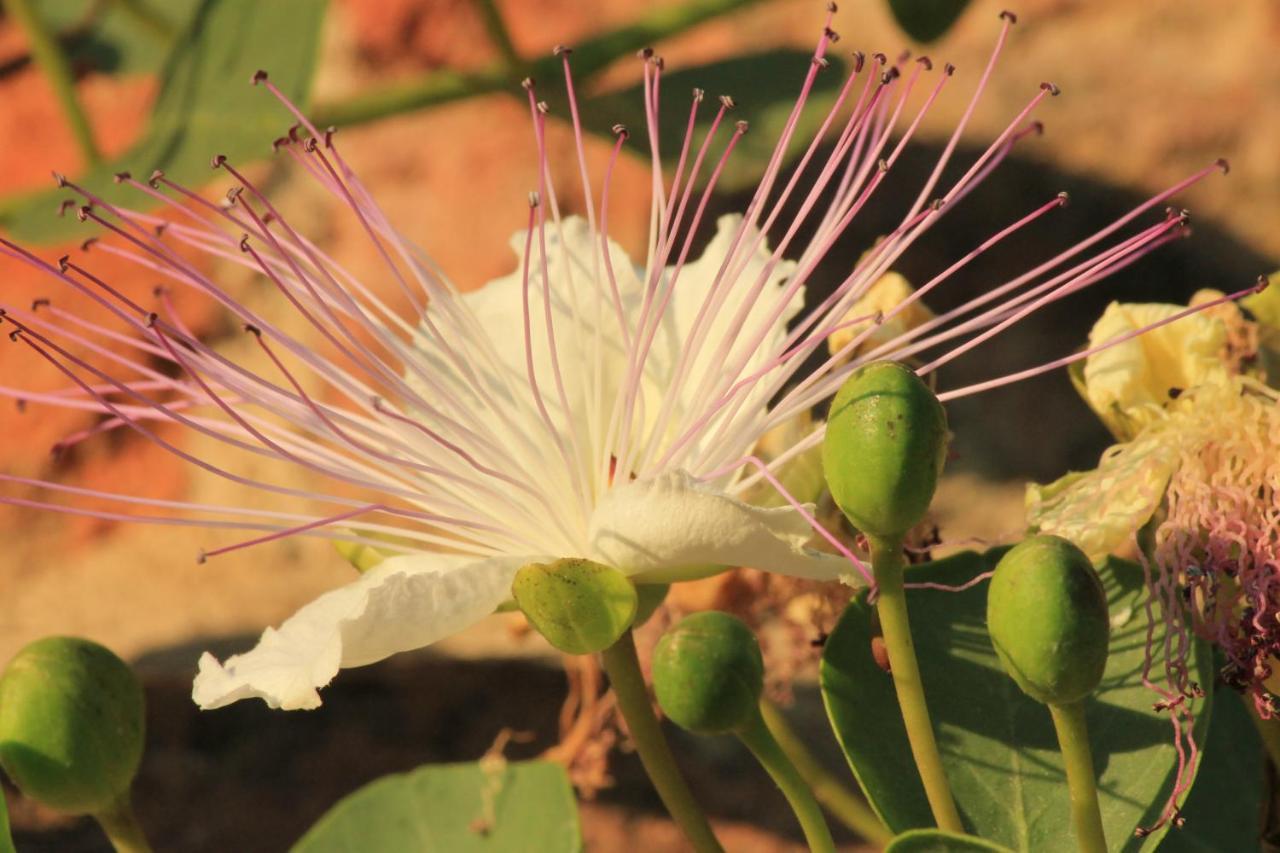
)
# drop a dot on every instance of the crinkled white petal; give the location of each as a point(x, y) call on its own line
point(670, 523)
point(404, 603)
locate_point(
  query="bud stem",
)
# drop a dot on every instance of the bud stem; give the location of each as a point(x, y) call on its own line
point(622, 666)
point(840, 802)
point(755, 734)
point(1073, 738)
point(121, 826)
point(887, 564)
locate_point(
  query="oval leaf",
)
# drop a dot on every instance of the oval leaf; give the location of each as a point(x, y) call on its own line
point(207, 105)
point(938, 841)
point(1226, 808)
point(455, 808)
point(998, 745)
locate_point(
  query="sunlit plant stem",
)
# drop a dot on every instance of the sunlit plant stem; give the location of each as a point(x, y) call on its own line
point(757, 738)
point(1073, 738)
point(840, 802)
point(887, 564)
point(622, 666)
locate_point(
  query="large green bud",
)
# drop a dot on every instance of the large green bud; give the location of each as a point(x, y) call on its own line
point(708, 673)
point(71, 724)
point(1047, 616)
point(884, 448)
point(581, 607)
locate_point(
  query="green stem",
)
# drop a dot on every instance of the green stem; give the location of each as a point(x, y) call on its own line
point(497, 29)
point(589, 57)
point(887, 564)
point(1268, 731)
point(1073, 738)
point(841, 803)
point(122, 827)
point(623, 668)
point(757, 738)
point(160, 27)
point(48, 55)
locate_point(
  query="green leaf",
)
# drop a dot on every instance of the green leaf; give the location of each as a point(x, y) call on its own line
point(939, 841)
point(119, 37)
point(998, 745)
point(1225, 808)
point(455, 808)
point(207, 105)
point(926, 20)
point(764, 87)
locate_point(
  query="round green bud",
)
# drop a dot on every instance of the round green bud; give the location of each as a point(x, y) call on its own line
point(71, 724)
point(1048, 620)
point(708, 673)
point(884, 448)
point(581, 607)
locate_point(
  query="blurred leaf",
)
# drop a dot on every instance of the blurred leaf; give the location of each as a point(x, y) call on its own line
point(938, 841)
point(997, 744)
point(763, 85)
point(121, 36)
point(926, 20)
point(455, 808)
point(6, 840)
point(1225, 808)
point(207, 105)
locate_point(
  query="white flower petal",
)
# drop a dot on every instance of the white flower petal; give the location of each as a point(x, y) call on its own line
point(404, 603)
point(671, 526)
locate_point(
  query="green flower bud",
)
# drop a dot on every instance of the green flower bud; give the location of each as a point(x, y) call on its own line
point(708, 673)
point(885, 444)
point(581, 607)
point(1048, 620)
point(71, 724)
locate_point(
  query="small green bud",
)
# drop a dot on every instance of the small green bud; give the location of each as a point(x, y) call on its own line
point(71, 724)
point(581, 607)
point(708, 673)
point(884, 448)
point(1048, 620)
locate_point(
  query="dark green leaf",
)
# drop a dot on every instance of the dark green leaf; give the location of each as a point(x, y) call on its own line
point(206, 106)
point(997, 744)
point(938, 841)
point(1225, 808)
point(926, 20)
point(454, 808)
point(764, 87)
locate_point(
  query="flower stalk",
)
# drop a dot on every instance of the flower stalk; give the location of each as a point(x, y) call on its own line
point(121, 826)
point(841, 803)
point(758, 738)
point(1073, 738)
point(887, 564)
point(622, 665)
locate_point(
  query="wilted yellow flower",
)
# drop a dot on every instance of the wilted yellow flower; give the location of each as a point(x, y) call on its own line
point(876, 308)
point(1129, 385)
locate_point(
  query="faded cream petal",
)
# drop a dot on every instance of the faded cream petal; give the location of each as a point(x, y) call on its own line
point(1129, 385)
point(888, 292)
point(403, 603)
point(672, 527)
point(1100, 509)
